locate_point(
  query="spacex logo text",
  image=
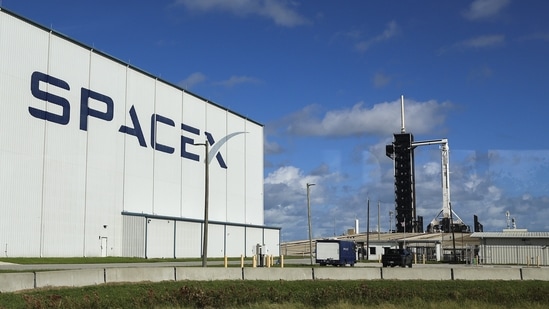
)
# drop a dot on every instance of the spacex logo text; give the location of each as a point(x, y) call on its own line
point(107, 114)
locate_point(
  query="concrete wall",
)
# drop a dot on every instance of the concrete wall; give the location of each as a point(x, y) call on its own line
point(136, 274)
point(351, 273)
point(492, 273)
point(72, 278)
point(208, 274)
point(289, 274)
point(424, 273)
point(11, 282)
point(16, 282)
point(535, 274)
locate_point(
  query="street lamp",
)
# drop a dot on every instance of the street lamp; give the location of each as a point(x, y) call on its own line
point(206, 198)
point(309, 219)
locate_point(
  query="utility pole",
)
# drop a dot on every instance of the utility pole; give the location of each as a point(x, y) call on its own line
point(368, 233)
point(452, 229)
point(378, 224)
point(309, 219)
point(206, 202)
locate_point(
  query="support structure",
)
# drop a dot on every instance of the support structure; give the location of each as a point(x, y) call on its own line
point(446, 218)
point(402, 153)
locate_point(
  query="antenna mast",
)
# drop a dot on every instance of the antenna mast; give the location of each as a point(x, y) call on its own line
point(402, 127)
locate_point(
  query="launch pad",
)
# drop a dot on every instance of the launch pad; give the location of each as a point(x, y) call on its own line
point(401, 151)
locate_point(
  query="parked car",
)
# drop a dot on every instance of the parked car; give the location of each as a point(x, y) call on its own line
point(396, 257)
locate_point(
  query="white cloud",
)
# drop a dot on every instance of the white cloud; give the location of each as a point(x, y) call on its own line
point(292, 177)
point(475, 188)
point(537, 36)
point(494, 193)
point(390, 31)
point(472, 183)
point(286, 174)
point(480, 73)
point(479, 42)
point(192, 80)
point(483, 41)
point(285, 197)
point(381, 80)
point(271, 147)
point(483, 9)
point(280, 12)
point(432, 168)
point(380, 119)
point(237, 80)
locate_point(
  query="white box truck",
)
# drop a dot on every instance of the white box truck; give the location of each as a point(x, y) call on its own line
point(335, 252)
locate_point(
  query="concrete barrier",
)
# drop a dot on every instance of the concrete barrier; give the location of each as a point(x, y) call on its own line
point(208, 274)
point(11, 282)
point(423, 273)
point(347, 273)
point(71, 278)
point(535, 274)
point(135, 274)
point(487, 273)
point(289, 274)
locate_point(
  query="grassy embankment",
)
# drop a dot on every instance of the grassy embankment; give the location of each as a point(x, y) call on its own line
point(381, 294)
point(290, 294)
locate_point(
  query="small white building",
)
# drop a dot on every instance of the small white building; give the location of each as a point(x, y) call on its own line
point(513, 246)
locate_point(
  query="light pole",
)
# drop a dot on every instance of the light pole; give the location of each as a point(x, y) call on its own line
point(206, 198)
point(378, 223)
point(309, 219)
point(368, 231)
point(453, 235)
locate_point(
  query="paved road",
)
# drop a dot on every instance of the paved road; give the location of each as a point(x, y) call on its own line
point(304, 262)
point(34, 267)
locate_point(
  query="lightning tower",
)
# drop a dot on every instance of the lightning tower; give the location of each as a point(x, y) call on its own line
point(402, 153)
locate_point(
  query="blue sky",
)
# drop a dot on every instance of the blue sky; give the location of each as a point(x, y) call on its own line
point(325, 78)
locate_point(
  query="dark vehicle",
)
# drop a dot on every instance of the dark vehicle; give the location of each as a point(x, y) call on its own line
point(396, 257)
point(335, 252)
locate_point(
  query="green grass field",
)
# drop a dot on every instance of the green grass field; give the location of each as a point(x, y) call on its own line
point(290, 294)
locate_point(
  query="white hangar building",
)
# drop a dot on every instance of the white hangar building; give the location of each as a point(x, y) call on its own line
point(98, 158)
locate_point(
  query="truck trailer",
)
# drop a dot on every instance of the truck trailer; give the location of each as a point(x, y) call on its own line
point(335, 252)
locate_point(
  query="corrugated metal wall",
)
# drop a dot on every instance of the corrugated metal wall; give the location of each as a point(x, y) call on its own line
point(21, 163)
point(188, 239)
point(86, 138)
point(134, 236)
point(254, 236)
point(160, 237)
point(514, 251)
point(272, 238)
point(235, 241)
